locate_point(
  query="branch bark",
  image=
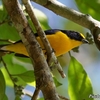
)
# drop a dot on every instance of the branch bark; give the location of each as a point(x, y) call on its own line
point(51, 58)
point(84, 20)
point(43, 77)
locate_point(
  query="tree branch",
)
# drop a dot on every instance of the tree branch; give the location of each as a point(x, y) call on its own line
point(84, 20)
point(63, 98)
point(43, 77)
point(51, 58)
point(35, 94)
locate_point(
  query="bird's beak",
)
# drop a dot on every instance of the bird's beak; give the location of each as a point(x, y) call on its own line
point(85, 41)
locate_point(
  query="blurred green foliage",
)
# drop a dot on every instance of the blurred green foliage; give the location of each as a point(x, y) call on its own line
point(89, 7)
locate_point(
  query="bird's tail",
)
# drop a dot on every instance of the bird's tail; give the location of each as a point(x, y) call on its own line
point(4, 51)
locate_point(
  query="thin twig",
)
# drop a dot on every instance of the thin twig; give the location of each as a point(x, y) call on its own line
point(71, 14)
point(3, 22)
point(64, 98)
point(35, 95)
point(7, 40)
point(51, 58)
point(28, 93)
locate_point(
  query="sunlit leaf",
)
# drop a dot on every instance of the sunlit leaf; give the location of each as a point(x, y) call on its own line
point(18, 81)
point(27, 76)
point(6, 76)
point(13, 66)
point(79, 87)
point(2, 86)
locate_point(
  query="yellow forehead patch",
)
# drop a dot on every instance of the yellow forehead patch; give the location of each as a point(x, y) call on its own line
point(82, 35)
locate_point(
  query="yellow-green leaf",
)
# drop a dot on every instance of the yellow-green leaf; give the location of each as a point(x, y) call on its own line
point(57, 83)
point(2, 86)
point(27, 76)
point(79, 87)
point(5, 97)
point(41, 99)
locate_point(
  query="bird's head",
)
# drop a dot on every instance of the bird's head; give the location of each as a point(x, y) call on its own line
point(76, 38)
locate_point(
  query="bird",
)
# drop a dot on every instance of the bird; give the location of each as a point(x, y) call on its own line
point(60, 40)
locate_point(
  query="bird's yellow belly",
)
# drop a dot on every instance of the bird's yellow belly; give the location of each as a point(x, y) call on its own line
point(60, 43)
point(57, 43)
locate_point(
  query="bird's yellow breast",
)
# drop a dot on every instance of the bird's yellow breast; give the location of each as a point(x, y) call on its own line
point(59, 41)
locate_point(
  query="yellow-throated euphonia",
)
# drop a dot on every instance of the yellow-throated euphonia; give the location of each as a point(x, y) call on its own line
point(61, 41)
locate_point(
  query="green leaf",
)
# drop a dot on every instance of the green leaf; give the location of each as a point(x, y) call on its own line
point(57, 83)
point(5, 97)
point(6, 77)
point(2, 86)
point(91, 8)
point(79, 87)
point(8, 32)
point(3, 13)
point(14, 66)
point(17, 98)
point(27, 76)
point(18, 81)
